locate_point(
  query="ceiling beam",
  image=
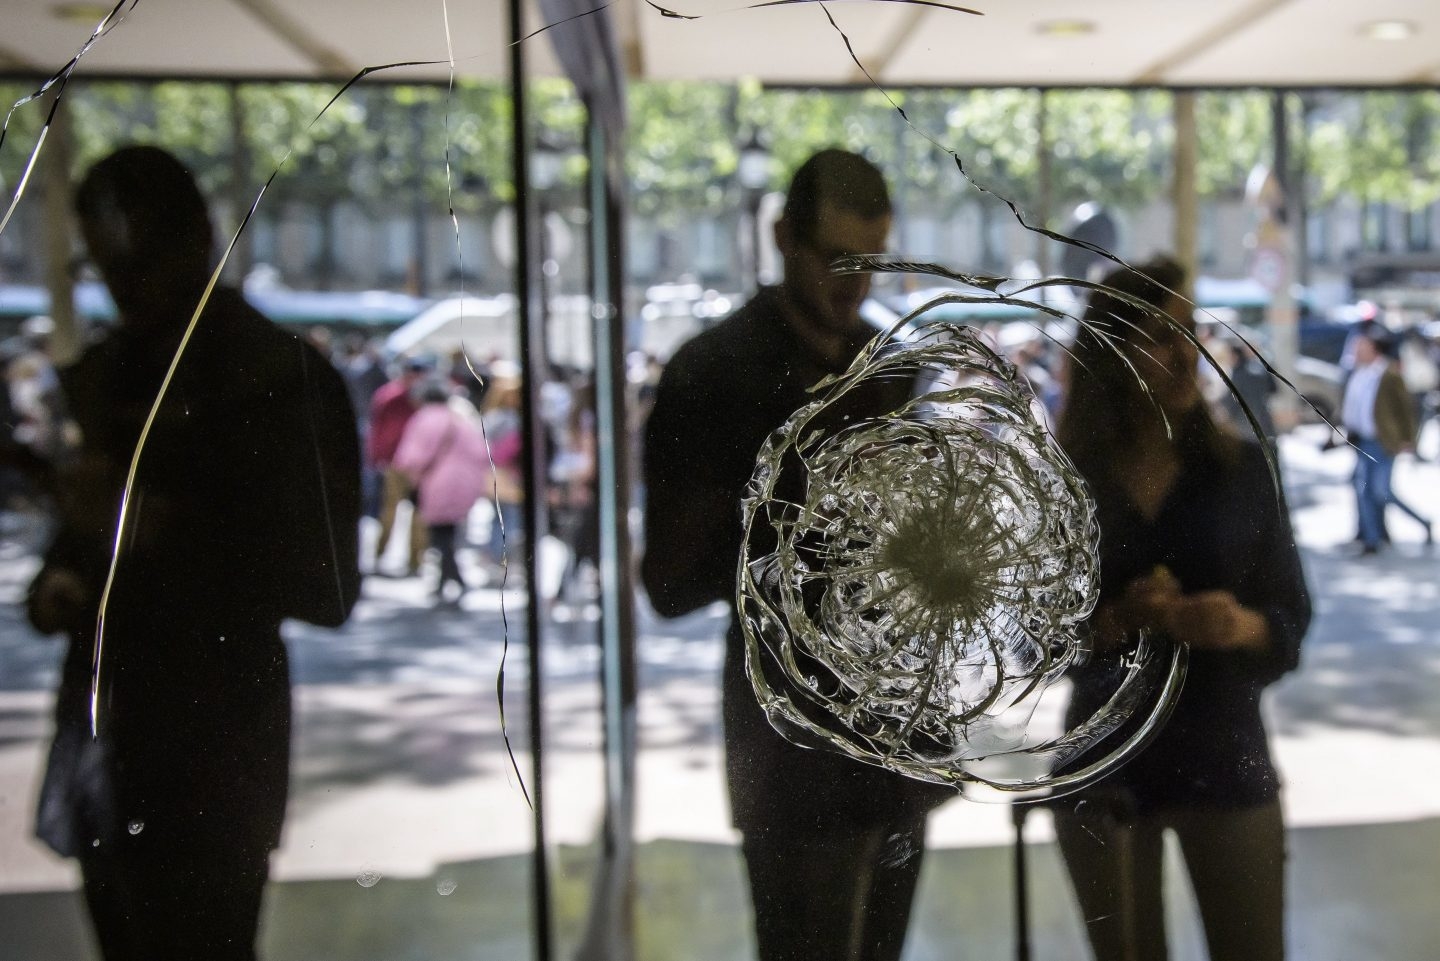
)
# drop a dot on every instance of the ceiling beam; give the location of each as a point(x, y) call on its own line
point(1205, 40)
point(900, 37)
point(281, 24)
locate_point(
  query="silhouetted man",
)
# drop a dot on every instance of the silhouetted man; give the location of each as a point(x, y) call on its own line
point(832, 846)
point(243, 512)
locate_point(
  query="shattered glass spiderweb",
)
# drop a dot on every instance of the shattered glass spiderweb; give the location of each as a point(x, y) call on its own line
point(914, 579)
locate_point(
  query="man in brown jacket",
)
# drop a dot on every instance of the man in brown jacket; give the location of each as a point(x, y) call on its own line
point(1380, 421)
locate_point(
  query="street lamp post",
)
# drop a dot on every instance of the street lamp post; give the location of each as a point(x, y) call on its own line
point(753, 172)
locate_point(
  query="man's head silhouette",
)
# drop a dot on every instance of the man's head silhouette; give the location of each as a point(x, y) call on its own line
point(148, 233)
point(837, 204)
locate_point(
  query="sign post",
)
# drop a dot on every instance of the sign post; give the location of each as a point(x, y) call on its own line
point(1272, 263)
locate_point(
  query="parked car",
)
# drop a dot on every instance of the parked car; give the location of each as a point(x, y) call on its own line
point(1323, 338)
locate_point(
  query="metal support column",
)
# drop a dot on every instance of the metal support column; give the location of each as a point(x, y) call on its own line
point(242, 259)
point(533, 368)
point(1182, 186)
point(1045, 174)
point(1282, 317)
point(610, 932)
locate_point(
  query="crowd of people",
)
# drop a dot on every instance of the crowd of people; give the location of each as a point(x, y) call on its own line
point(444, 458)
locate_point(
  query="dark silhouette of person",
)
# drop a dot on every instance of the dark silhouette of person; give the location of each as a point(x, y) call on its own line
point(1196, 544)
point(832, 846)
point(243, 512)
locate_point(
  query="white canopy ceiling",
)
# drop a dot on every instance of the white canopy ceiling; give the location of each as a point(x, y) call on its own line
point(1103, 42)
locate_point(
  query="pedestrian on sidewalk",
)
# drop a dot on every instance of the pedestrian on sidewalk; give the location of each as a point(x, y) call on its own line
point(1380, 420)
point(391, 408)
point(501, 419)
point(442, 455)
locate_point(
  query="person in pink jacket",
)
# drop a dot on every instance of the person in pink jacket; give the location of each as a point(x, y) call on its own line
point(443, 452)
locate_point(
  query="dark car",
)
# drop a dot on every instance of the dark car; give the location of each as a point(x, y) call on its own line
point(1323, 338)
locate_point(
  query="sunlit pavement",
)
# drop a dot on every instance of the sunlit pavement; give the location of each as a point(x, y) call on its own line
point(401, 773)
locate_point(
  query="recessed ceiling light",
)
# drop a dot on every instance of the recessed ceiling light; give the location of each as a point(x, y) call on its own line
point(1390, 30)
point(1065, 28)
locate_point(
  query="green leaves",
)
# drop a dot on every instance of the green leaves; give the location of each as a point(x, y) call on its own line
point(380, 142)
point(1234, 135)
point(1377, 147)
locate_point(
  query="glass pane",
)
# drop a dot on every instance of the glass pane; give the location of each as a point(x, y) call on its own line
point(568, 559)
point(1101, 169)
point(406, 832)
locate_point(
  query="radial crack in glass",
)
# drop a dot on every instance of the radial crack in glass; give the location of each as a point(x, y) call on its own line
point(913, 579)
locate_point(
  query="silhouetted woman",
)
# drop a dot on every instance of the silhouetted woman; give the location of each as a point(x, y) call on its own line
point(1195, 544)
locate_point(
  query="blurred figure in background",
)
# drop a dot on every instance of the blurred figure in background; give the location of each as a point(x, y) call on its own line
point(442, 453)
point(572, 475)
point(1253, 388)
point(1379, 419)
point(391, 408)
point(32, 434)
point(470, 376)
point(501, 417)
point(35, 391)
point(360, 365)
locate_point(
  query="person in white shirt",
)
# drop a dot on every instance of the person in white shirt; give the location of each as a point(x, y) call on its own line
point(1380, 422)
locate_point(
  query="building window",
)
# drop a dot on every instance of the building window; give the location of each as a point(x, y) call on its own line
point(1418, 227)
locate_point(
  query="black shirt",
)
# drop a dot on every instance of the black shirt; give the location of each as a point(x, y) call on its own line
point(720, 397)
point(1221, 527)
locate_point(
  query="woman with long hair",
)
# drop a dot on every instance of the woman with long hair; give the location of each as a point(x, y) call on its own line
point(1195, 545)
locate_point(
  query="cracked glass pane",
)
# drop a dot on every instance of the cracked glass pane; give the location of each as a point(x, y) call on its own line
point(917, 573)
point(933, 550)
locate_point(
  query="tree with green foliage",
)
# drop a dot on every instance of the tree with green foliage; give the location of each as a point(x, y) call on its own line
point(681, 147)
point(1378, 147)
point(1235, 133)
